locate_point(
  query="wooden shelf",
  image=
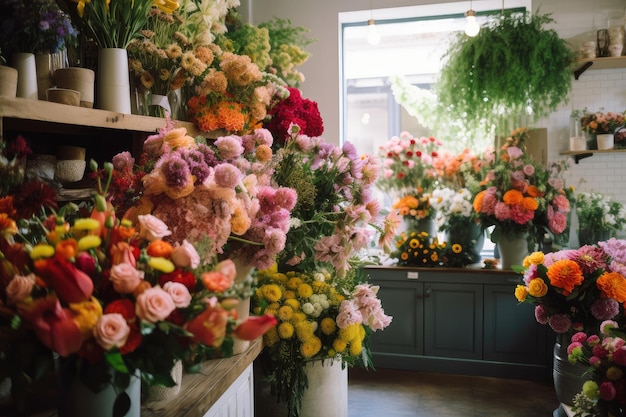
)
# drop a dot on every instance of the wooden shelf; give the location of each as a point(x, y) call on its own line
point(61, 114)
point(599, 63)
point(578, 155)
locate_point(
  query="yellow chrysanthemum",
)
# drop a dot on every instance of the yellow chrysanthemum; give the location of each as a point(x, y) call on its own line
point(305, 290)
point(285, 313)
point(285, 330)
point(298, 316)
point(311, 347)
point(289, 294)
point(340, 345)
point(328, 326)
point(349, 332)
point(304, 330)
point(294, 283)
point(293, 303)
point(271, 292)
point(355, 347)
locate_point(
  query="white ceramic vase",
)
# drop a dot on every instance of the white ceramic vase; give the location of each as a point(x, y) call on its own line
point(605, 141)
point(113, 80)
point(8, 81)
point(513, 250)
point(26, 68)
point(327, 394)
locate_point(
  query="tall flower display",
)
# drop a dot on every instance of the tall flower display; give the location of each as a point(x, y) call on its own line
point(521, 197)
point(318, 289)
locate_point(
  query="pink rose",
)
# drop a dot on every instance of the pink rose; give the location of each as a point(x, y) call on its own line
point(228, 268)
point(125, 278)
point(152, 228)
point(179, 293)
point(122, 252)
point(20, 288)
point(111, 330)
point(154, 305)
point(185, 255)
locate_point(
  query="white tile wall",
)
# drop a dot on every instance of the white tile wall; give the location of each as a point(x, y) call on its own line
point(595, 89)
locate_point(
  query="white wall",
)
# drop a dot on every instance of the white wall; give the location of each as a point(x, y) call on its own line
point(594, 89)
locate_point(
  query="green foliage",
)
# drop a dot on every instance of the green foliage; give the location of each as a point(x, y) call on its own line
point(514, 66)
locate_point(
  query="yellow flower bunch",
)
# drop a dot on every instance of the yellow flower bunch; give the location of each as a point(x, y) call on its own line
point(415, 248)
point(307, 306)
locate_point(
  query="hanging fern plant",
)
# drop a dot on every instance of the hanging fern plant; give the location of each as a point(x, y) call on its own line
point(514, 66)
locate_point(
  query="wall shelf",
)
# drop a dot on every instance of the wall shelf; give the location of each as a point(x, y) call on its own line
point(578, 155)
point(599, 63)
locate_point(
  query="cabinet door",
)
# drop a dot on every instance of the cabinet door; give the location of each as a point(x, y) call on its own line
point(403, 300)
point(511, 332)
point(453, 318)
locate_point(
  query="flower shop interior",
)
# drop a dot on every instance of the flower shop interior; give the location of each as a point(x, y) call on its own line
point(282, 208)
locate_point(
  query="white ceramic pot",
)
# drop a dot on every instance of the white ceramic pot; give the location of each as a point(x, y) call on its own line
point(605, 141)
point(24, 63)
point(8, 81)
point(113, 80)
point(578, 143)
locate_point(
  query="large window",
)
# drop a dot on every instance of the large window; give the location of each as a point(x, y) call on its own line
point(413, 41)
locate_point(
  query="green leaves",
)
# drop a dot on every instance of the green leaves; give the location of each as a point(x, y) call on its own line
point(513, 67)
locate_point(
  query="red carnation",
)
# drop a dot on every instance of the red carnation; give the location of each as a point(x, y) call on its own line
point(184, 277)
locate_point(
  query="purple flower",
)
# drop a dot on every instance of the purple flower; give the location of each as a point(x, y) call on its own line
point(176, 171)
point(227, 175)
point(560, 323)
point(229, 147)
point(605, 308)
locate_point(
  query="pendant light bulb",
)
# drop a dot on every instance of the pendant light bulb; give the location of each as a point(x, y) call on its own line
point(373, 37)
point(471, 25)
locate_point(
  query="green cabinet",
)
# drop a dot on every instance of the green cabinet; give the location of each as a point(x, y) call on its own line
point(458, 321)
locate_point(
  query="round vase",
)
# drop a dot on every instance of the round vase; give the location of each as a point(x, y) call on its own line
point(590, 236)
point(79, 79)
point(568, 378)
point(26, 68)
point(513, 250)
point(327, 394)
point(77, 400)
point(8, 81)
point(113, 80)
point(605, 141)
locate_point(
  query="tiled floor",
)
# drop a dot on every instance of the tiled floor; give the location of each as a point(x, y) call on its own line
point(395, 393)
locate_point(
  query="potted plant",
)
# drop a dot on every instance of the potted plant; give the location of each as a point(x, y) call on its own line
point(513, 67)
point(599, 217)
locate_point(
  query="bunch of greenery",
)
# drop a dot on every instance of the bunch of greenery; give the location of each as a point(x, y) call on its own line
point(514, 66)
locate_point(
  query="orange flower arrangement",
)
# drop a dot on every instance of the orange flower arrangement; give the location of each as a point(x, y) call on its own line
point(576, 289)
point(414, 207)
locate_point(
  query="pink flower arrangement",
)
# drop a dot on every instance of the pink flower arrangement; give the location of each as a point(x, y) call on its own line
point(219, 196)
point(409, 163)
point(520, 197)
point(600, 122)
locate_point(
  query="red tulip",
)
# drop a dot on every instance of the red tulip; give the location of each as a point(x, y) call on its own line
point(209, 327)
point(70, 283)
point(255, 326)
point(55, 326)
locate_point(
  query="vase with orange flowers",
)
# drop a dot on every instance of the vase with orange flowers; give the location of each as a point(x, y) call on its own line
point(522, 199)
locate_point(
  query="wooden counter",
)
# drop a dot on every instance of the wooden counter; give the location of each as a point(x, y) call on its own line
point(200, 391)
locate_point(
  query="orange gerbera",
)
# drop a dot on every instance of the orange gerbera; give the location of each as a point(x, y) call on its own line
point(613, 285)
point(478, 200)
point(513, 197)
point(565, 274)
